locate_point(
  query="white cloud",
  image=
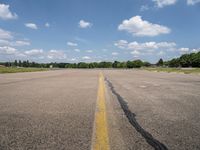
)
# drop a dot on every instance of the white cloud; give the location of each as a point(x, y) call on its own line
point(121, 44)
point(31, 25)
point(162, 3)
point(56, 54)
point(4, 42)
point(5, 13)
point(138, 27)
point(72, 44)
point(77, 50)
point(13, 43)
point(114, 53)
point(195, 50)
point(84, 24)
point(73, 59)
point(8, 50)
point(21, 43)
point(5, 34)
point(135, 52)
point(86, 57)
point(34, 52)
point(144, 8)
point(144, 46)
point(192, 2)
point(47, 24)
point(89, 51)
point(161, 53)
point(184, 50)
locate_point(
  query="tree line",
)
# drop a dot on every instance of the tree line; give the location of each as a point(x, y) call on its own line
point(186, 60)
point(103, 64)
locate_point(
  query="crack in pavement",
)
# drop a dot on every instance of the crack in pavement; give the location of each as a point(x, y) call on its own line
point(157, 145)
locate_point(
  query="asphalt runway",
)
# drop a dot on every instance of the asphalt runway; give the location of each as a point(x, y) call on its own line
point(55, 110)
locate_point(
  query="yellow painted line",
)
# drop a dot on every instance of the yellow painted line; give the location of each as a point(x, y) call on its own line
point(100, 136)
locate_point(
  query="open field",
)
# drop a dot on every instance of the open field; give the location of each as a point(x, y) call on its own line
point(63, 109)
point(178, 70)
point(15, 70)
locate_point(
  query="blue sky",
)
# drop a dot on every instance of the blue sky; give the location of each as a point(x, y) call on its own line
point(98, 30)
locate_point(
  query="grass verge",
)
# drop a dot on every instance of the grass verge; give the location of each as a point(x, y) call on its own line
point(178, 70)
point(15, 70)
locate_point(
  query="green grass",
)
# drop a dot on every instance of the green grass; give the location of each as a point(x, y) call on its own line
point(178, 70)
point(15, 70)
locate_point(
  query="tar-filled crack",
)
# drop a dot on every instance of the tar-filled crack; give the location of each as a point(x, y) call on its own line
point(157, 145)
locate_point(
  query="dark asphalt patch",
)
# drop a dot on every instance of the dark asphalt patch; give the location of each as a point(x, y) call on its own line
point(157, 145)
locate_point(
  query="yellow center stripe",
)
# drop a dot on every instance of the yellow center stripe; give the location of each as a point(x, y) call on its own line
point(100, 138)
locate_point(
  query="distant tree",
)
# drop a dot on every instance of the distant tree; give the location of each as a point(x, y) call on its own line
point(115, 64)
point(185, 60)
point(195, 59)
point(146, 64)
point(24, 64)
point(20, 63)
point(137, 63)
point(91, 65)
point(160, 62)
point(123, 65)
point(15, 63)
point(174, 62)
point(27, 64)
point(130, 64)
point(83, 65)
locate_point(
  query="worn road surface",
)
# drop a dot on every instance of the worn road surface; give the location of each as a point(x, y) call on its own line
point(62, 110)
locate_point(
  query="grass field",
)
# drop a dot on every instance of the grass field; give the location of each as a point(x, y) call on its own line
point(15, 70)
point(178, 70)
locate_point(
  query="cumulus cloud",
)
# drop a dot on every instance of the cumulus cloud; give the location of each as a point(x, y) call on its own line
point(161, 53)
point(31, 26)
point(135, 52)
point(7, 50)
point(162, 3)
point(121, 44)
point(56, 54)
point(4, 42)
point(86, 58)
point(77, 50)
point(184, 50)
point(138, 27)
point(21, 43)
point(147, 48)
point(144, 8)
point(72, 44)
point(47, 24)
point(142, 46)
point(114, 53)
point(195, 50)
point(84, 24)
point(5, 12)
point(13, 43)
point(192, 2)
point(34, 52)
point(73, 59)
point(5, 34)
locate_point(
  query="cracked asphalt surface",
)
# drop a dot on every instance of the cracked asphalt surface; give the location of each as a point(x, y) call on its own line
point(55, 110)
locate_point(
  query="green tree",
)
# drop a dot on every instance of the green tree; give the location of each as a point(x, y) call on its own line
point(130, 64)
point(160, 62)
point(15, 63)
point(174, 62)
point(137, 63)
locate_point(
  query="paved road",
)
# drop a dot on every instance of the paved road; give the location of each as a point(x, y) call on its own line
point(162, 108)
point(56, 110)
point(47, 110)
